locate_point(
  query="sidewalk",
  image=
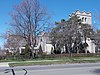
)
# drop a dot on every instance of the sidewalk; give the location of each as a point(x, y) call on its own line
point(88, 59)
point(4, 64)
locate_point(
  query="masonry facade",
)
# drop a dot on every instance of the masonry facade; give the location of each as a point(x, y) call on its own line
point(86, 18)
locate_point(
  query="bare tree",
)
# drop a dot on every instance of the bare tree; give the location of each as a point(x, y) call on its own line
point(13, 42)
point(29, 19)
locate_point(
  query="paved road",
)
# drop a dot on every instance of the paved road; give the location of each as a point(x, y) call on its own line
point(63, 69)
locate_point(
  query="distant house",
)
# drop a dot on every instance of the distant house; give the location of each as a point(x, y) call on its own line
point(2, 54)
point(14, 42)
point(44, 40)
point(17, 43)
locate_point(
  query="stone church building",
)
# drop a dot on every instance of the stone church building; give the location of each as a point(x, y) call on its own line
point(43, 39)
point(86, 18)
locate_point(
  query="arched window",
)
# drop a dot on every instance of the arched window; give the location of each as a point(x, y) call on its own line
point(85, 19)
point(41, 40)
point(82, 19)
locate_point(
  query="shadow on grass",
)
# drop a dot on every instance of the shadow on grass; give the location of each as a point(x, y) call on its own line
point(97, 71)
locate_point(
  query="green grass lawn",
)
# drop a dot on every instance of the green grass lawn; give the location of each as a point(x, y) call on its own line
point(49, 61)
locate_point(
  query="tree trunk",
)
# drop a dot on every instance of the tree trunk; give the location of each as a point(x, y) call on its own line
point(66, 48)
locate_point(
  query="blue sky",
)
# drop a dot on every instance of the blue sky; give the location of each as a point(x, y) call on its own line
point(59, 9)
